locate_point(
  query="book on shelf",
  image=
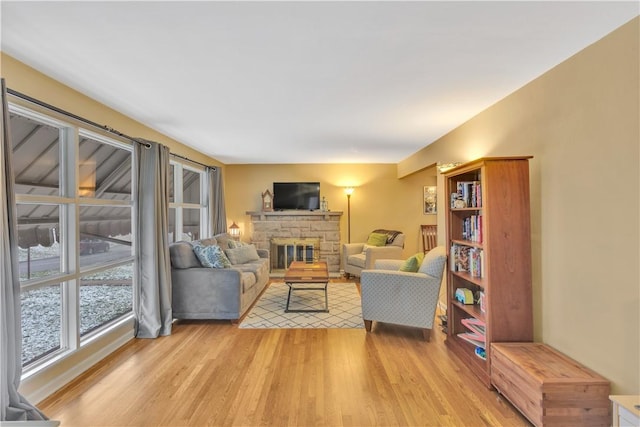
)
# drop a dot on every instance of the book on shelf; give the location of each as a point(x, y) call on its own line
point(470, 192)
point(475, 264)
point(472, 228)
point(467, 259)
point(476, 326)
point(473, 338)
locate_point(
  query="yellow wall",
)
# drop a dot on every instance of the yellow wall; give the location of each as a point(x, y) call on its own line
point(380, 199)
point(581, 122)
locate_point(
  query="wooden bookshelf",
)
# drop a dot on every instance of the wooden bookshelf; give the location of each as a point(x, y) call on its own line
point(497, 190)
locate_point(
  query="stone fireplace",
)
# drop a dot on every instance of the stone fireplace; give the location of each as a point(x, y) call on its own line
point(297, 235)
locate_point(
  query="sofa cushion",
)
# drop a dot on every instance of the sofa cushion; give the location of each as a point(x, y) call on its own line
point(358, 260)
point(236, 244)
point(257, 268)
point(211, 256)
point(377, 239)
point(248, 280)
point(182, 256)
point(223, 240)
point(242, 254)
point(413, 263)
point(209, 241)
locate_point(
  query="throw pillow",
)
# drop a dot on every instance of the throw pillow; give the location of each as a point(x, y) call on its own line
point(236, 244)
point(223, 240)
point(377, 239)
point(242, 254)
point(412, 264)
point(211, 256)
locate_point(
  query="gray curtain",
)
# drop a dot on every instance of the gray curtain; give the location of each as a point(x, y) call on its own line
point(217, 209)
point(14, 406)
point(152, 304)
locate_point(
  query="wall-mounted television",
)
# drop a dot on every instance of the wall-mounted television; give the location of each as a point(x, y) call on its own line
point(296, 195)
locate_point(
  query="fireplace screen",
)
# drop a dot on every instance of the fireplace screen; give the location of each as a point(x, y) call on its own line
point(285, 251)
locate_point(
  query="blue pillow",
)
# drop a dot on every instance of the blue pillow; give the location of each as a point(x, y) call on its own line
point(211, 256)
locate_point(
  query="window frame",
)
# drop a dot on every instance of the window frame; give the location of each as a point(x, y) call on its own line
point(179, 205)
point(69, 202)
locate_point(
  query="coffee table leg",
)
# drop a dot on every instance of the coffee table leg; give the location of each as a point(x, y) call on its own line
point(286, 309)
point(326, 299)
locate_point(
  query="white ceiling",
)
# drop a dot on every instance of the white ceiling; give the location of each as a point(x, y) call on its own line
point(302, 82)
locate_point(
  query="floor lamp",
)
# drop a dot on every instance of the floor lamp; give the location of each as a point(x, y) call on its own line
point(348, 191)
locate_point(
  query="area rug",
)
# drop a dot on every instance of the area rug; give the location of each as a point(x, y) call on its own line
point(345, 310)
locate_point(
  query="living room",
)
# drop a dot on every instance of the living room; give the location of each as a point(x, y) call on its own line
point(579, 121)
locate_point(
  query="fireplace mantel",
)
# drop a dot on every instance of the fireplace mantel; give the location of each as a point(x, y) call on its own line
point(299, 224)
point(292, 212)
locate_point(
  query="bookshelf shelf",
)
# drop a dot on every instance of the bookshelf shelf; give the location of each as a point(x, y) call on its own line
point(488, 234)
point(479, 281)
point(467, 243)
point(471, 310)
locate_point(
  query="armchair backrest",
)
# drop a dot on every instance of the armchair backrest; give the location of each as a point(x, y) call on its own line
point(434, 262)
point(398, 241)
point(394, 238)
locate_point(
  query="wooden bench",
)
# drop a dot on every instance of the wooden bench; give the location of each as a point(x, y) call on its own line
point(548, 387)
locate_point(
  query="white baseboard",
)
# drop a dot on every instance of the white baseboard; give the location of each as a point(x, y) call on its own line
point(44, 383)
point(48, 423)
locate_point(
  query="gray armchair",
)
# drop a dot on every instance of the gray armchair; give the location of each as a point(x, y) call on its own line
point(393, 296)
point(360, 256)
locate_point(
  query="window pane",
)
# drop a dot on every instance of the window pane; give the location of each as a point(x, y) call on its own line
point(171, 183)
point(172, 225)
point(36, 156)
point(105, 234)
point(105, 170)
point(105, 296)
point(38, 235)
point(191, 186)
point(191, 224)
point(41, 324)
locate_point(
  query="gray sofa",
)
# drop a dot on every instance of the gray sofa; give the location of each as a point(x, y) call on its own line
point(215, 293)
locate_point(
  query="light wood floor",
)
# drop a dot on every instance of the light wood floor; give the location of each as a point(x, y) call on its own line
point(211, 373)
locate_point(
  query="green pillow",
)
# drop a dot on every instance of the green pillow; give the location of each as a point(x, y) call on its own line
point(412, 264)
point(377, 239)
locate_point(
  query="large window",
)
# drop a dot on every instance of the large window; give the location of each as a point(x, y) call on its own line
point(75, 198)
point(74, 203)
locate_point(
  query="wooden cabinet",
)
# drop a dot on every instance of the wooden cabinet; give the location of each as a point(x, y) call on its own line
point(548, 387)
point(489, 250)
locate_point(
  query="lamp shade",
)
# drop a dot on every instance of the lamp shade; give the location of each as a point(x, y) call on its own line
point(234, 230)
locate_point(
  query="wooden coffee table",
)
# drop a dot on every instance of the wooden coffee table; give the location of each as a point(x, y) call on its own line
point(301, 276)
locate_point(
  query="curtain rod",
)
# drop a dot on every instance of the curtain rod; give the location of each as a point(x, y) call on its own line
point(73, 116)
point(92, 123)
point(192, 161)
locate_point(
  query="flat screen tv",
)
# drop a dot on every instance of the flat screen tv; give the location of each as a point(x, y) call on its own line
point(296, 195)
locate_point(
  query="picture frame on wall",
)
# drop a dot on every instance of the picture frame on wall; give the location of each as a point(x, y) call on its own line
point(430, 196)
